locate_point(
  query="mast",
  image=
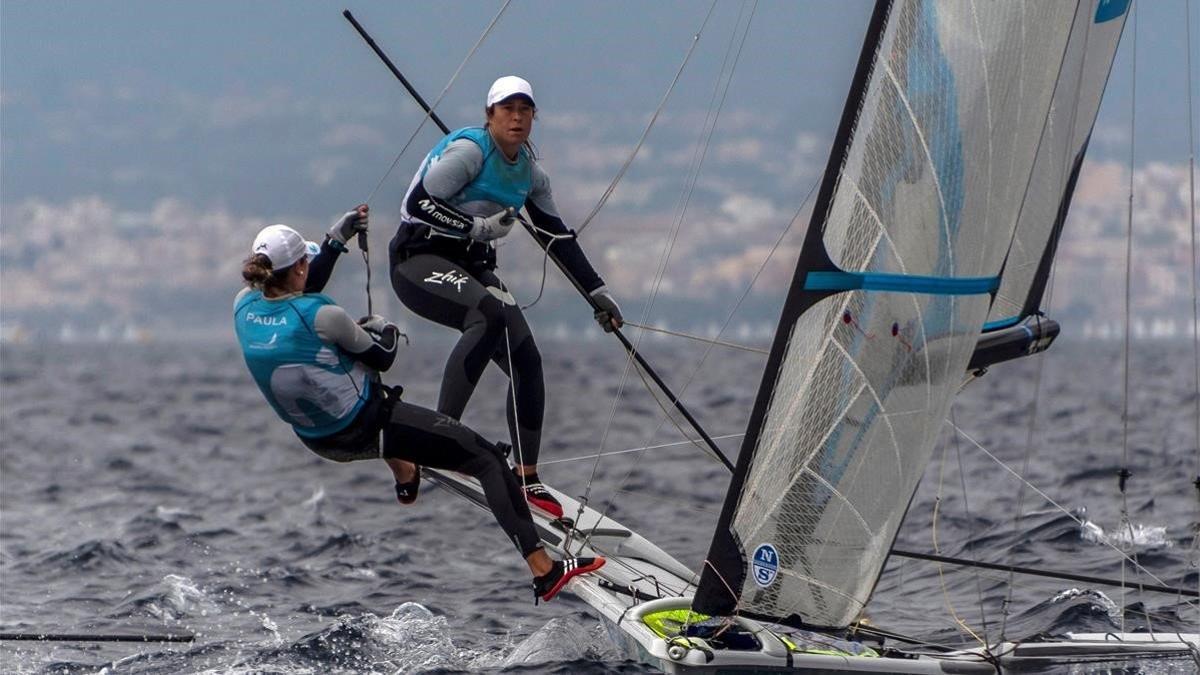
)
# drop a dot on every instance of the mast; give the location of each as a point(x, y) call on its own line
point(725, 565)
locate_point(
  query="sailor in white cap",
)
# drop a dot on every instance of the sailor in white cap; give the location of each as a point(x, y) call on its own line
point(464, 197)
point(319, 370)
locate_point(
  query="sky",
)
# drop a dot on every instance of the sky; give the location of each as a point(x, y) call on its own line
point(151, 138)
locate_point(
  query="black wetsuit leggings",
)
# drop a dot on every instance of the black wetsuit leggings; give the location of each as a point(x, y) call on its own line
point(429, 438)
point(432, 439)
point(472, 299)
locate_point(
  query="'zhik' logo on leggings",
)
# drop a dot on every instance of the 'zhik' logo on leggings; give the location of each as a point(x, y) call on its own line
point(451, 277)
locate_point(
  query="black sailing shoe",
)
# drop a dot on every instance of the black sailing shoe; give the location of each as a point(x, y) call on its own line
point(406, 493)
point(548, 585)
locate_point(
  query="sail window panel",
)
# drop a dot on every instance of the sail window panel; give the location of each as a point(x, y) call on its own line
point(902, 197)
point(847, 434)
point(929, 151)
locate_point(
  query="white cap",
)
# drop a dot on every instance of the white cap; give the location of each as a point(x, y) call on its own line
point(283, 245)
point(507, 87)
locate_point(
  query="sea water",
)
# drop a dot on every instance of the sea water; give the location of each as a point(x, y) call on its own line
point(149, 489)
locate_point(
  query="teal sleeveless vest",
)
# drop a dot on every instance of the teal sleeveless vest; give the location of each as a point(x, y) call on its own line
point(311, 385)
point(504, 183)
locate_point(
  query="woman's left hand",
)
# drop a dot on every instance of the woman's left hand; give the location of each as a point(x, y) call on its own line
point(350, 224)
point(609, 313)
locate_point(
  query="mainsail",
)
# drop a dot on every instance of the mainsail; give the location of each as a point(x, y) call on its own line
point(938, 144)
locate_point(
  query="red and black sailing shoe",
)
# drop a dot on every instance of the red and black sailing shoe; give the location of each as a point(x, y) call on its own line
point(539, 497)
point(548, 585)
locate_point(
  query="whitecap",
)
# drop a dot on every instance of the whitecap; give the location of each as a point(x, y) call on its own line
point(560, 640)
point(1129, 535)
point(1097, 598)
point(415, 639)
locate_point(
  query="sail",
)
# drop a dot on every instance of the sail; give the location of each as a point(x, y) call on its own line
point(918, 207)
point(1084, 74)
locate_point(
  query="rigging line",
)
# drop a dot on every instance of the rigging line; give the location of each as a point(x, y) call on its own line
point(700, 159)
point(430, 109)
point(1049, 295)
point(697, 338)
point(941, 575)
point(1124, 473)
point(512, 398)
point(1031, 571)
point(707, 130)
point(629, 450)
point(937, 508)
point(1048, 499)
point(672, 502)
point(1195, 302)
point(962, 477)
point(733, 311)
point(665, 256)
point(669, 245)
point(553, 239)
point(1030, 432)
point(934, 647)
point(653, 118)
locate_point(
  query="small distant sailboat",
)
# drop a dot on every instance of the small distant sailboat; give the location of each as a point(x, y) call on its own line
point(926, 260)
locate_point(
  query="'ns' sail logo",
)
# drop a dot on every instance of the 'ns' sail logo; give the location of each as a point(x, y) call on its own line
point(764, 567)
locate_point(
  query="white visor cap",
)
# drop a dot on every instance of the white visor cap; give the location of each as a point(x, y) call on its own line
point(507, 87)
point(283, 246)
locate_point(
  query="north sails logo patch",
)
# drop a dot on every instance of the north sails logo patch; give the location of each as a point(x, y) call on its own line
point(764, 566)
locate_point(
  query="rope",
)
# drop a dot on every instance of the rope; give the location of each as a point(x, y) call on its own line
point(653, 118)
point(1037, 381)
point(937, 507)
point(962, 476)
point(367, 262)
point(512, 393)
point(697, 338)
point(629, 360)
point(1030, 433)
point(554, 239)
point(629, 450)
point(1048, 499)
point(425, 118)
point(1124, 472)
point(1195, 302)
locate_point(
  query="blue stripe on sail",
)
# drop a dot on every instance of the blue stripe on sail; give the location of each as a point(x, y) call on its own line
point(1110, 9)
point(906, 283)
point(1001, 323)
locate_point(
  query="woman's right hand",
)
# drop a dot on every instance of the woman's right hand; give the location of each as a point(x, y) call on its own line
point(494, 226)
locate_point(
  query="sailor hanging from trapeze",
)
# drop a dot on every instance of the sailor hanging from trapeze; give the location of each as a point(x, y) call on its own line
point(320, 371)
point(465, 196)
